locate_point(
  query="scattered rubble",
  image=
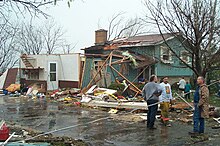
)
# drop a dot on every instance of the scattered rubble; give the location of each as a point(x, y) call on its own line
point(130, 108)
point(46, 140)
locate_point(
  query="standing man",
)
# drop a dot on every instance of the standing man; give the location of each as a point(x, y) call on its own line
point(165, 101)
point(182, 84)
point(151, 93)
point(201, 104)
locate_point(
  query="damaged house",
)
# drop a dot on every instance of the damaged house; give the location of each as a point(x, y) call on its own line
point(135, 58)
point(52, 71)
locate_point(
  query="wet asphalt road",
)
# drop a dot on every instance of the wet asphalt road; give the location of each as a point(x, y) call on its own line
point(46, 115)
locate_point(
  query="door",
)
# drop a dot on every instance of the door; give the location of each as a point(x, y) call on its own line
point(52, 81)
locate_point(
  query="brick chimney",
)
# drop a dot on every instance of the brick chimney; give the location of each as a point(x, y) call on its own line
point(100, 37)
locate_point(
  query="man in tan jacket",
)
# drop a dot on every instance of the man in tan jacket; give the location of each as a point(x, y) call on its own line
point(201, 103)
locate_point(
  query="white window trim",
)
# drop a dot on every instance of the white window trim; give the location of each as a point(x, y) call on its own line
point(188, 57)
point(170, 61)
point(56, 72)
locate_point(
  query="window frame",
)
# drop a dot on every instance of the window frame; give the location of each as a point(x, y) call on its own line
point(188, 57)
point(53, 72)
point(163, 53)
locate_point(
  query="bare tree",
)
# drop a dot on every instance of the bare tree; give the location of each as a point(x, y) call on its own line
point(40, 39)
point(196, 25)
point(120, 27)
point(30, 39)
point(68, 48)
point(33, 7)
point(8, 51)
point(53, 36)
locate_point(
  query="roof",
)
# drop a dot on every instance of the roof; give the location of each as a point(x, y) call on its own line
point(151, 39)
point(95, 47)
point(142, 40)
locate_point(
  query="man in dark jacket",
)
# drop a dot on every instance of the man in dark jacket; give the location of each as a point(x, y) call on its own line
point(151, 93)
point(201, 104)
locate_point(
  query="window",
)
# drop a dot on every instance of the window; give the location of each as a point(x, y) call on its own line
point(184, 55)
point(53, 74)
point(34, 75)
point(53, 67)
point(166, 55)
point(98, 65)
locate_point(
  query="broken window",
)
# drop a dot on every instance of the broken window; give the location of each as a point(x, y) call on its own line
point(53, 74)
point(98, 65)
point(166, 55)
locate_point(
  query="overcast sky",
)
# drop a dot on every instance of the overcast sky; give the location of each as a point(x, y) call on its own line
point(85, 16)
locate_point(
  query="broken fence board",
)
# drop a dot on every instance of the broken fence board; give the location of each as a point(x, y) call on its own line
point(118, 105)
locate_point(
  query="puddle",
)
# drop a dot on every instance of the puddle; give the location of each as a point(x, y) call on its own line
point(44, 115)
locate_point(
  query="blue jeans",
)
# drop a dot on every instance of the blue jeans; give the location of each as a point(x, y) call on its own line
point(152, 112)
point(198, 121)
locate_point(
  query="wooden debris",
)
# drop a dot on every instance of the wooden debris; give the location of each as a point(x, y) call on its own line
point(217, 120)
point(185, 120)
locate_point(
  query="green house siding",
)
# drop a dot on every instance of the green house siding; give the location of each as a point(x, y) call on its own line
point(168, 70)
point(161, 69)
point(87, 72)
point(175, 68)
point(148, 50)
point(131, 75)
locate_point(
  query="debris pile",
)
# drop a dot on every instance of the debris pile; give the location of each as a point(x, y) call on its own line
point(109, 98)
point(67, 96)
point(22, 136)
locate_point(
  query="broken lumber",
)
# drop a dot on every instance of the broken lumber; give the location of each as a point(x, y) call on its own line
point(104, 63)
point(126, 79)
point(140, 74)
point(185, 101)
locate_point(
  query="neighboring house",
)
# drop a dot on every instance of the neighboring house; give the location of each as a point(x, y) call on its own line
point(147, 45)
point(53, 71)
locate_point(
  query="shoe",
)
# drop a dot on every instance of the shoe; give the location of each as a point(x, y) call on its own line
point(194, 133)
point(202, 133)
